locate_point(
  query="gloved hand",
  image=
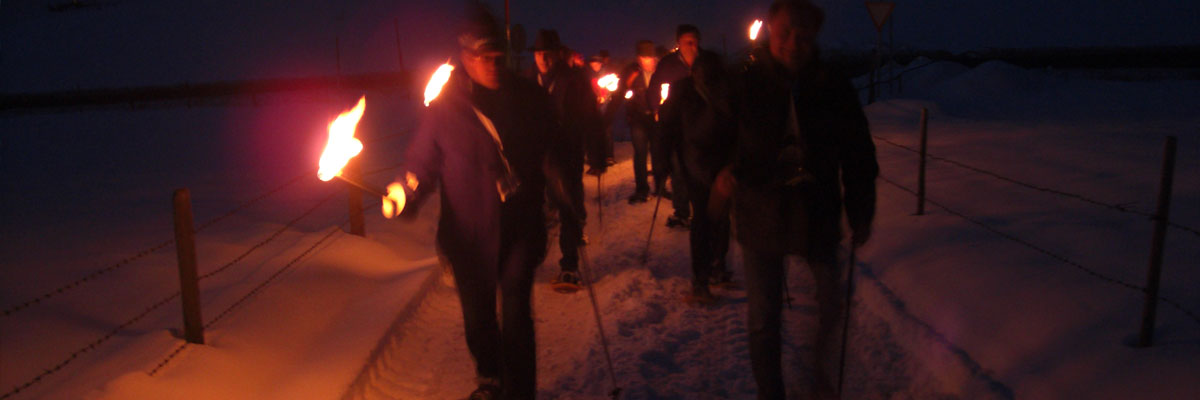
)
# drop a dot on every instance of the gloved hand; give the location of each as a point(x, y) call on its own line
point(721, 195)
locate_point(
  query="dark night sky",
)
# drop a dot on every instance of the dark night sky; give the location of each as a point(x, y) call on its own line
point(137, 42)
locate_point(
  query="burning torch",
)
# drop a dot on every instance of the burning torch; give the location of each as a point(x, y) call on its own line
point(754, 28)
point(342, 147)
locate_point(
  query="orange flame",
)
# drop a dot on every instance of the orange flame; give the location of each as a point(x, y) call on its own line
point(609, 82)
point(395, 193)
point(666, 89)
point(437, 82)
point(754, 29)
point(342, 145)
point(628, 94)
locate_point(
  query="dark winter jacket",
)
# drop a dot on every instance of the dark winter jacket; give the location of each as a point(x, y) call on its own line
point(571, 93)
point(790, 189)
point(637, 109)
point(453, 150)
point(699, 128)
point(670, 70)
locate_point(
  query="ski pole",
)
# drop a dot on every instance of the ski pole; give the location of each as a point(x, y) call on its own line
point(584, 269)
point(653, 220)
point(846, 322)
point(600, 202)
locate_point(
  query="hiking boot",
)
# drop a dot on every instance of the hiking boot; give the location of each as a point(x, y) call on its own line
point(610, 161)
point(676, 221)
point(485, 391)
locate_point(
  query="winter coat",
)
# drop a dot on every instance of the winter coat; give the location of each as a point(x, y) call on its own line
point(699, 128)
point(571, 93)
point(637, 108)
point(453, 150)
point(670, 70)
point(834, 150)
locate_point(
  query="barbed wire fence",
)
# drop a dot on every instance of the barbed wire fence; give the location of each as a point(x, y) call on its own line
point(92, 345)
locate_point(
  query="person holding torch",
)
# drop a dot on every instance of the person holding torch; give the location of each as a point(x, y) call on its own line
point(803, 155)
point(485, 143)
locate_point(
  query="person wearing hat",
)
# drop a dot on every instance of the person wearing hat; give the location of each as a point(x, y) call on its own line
point(804, 155)
point(485, 143)
point(608, 111)
point(673, 68)
point(635, 90)
point(575, 108)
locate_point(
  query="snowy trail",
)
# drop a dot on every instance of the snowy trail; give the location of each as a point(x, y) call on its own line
point(662, 348)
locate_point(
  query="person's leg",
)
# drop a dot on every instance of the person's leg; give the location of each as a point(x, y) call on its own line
point(520, 351)
point(720, 243)
point(658, 160)
point(477, 292)
point(641, 147)
point(679, 191)
point(571, 216)
point(701, 236)
point(824, 267)
point(764, 292)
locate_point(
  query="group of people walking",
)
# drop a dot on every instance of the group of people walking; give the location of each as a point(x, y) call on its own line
point(774, 148)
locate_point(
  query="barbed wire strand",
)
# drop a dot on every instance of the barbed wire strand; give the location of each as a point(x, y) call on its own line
point(129, 260)
point(273, 235)
point(1117, 207)
point(1049, 253)
point(89, 347)
point(291, 263)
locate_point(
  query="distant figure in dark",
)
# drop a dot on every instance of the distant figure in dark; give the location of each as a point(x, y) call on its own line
point(575, 107)
point(699, 130)
point(599, 64)
point(674, 67)
point(486, 141)
point(804, 152)
point(635, 90)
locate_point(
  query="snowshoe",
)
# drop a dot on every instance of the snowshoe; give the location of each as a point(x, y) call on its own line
point(676, 221)
point(485, 392)
point(700, 296)
point(566, 282)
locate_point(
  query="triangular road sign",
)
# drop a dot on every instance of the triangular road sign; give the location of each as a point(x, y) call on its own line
point(880, 11)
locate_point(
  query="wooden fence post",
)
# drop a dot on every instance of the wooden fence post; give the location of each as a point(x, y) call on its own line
point(1146, 338)
point(921, 163)
point(189, 284)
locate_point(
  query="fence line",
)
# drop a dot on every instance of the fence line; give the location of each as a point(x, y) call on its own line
point(1049, 253)
point(1116, 207)
point(269, 238)
point(128, 260)
point(95, 343)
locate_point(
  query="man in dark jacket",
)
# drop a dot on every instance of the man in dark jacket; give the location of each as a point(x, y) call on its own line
point(699, 130)
point(485, 141)
point(674, 67)
point(575, 106)
point(803, 142)
point(635, 90)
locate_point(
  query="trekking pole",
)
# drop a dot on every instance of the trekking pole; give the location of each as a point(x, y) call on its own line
point(600, 202)
point(846, 322)
point(653, 220)
point(584, 269)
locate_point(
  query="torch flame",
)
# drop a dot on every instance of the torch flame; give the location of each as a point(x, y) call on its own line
point(395, 193)
point(754, 29)
point(628, 94)
point(609, 82)
point(666, 89)
point(342, 145)
point(437, 82)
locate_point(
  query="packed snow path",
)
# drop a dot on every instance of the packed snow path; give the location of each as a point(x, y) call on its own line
point(662, 347)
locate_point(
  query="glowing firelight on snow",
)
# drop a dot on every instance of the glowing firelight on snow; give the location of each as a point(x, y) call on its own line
point(666, 89)
point(437, 82)
point(609, 82)
point(628, 94)
point(754, 29)
point(342, 145)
